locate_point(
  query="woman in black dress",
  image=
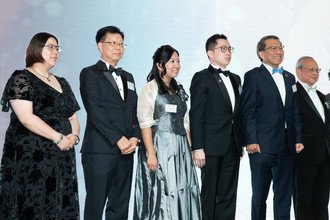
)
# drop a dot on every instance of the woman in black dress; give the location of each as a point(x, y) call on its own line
point(38, 168)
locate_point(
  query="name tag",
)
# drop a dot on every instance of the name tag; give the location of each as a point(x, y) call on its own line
point(294, 88)
point(130, 86)
point(170, 108)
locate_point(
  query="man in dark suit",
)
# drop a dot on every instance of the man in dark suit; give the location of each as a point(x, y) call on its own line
point(313, 163)
point(112, 132)
point(216, 130)
point(272, 129)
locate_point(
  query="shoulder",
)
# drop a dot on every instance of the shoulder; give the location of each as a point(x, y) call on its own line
point(200, 75)
point(128, 75)
point(150, 87)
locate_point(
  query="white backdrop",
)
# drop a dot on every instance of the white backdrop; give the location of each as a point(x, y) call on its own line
point(302, 25)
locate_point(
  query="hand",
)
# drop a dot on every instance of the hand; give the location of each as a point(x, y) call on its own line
point(299, 147)
point(253, 148)
point(134, 142)
point(73, 139)
point(123, 144)
point(199, 158)
point(65, 144)
point(152, 162)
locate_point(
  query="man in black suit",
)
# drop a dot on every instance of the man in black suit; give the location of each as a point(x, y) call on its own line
point(313, 163)
point(112, 132)
point(272, 129)
point(216, 130)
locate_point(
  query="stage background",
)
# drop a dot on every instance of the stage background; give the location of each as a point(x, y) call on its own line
point(302, 25)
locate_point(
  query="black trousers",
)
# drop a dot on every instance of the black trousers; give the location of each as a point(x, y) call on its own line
point(108, 178)
point(219, 185)
point(312, 190)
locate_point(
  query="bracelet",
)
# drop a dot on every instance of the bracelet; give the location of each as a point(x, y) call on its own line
point(59, 140)
point(78, 139)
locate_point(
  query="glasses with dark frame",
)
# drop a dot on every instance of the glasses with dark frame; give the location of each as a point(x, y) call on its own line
point(53, 47)
point(274, 48)
point(224, 49)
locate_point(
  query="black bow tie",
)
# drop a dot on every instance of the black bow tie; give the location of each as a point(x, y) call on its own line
point(118, 71)
point(224, 72)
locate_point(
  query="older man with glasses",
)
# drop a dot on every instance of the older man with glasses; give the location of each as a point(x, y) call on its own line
point(313, 163)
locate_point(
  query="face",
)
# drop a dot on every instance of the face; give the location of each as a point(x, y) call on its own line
point(172, 67)
point(50, 53)
point(273, 54)
point(217, 56)
point(112, 48)
point(309, 73)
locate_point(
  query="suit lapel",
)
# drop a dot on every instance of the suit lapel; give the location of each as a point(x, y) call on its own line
point(221, 86)
point(103, 68)
point(124, 79)
point(269, 79)
point(236, 90)
point(309, 100)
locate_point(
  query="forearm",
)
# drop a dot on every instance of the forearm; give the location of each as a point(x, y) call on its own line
point(39, 127)
point(147, 140)
point(75, 126)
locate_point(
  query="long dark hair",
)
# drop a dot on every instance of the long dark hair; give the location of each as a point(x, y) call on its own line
point(162, 55)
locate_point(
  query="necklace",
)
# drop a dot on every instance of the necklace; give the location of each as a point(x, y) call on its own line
point(47, 77)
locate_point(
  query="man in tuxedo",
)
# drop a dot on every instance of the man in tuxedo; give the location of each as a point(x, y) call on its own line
point(272, 129)
point(313, 163)
point(216, 130)
point(112, 132)
point(328, 95)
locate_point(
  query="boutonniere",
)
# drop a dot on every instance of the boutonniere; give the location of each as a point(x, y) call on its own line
point(240, 89)
point(285, 74)
point(327, 105)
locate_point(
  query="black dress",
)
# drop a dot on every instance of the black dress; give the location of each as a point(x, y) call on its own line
point(37, 179)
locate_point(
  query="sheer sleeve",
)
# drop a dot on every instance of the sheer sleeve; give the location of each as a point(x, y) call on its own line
point(18, 87)
point(146, 104)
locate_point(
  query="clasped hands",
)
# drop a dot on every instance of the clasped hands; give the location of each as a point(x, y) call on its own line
point(127, 146)
point(67, 142)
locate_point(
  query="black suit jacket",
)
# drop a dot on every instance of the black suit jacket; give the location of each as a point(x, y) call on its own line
point(109, 117)
point(316, 133)
point(264, 115)
point(212, 119)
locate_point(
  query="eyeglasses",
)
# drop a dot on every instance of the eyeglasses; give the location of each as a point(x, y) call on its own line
point(115, 44)
point(52, 47)
point(312, 70)
point(274, 48)
point(224, 49)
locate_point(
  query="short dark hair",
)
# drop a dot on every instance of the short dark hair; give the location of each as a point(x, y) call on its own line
point(262, 43)
point(101, 34)
point(212, 41)
point(161, 56)
point(34, 49)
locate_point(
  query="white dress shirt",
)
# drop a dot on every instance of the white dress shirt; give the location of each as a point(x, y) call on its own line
point(228, 85)
point(278, 78)
point(311, 91)
point(118, 80)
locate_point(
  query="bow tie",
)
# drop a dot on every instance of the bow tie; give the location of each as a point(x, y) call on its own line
point(311, 89)
point(118, 71)
point(278, 70)
point(224, 72)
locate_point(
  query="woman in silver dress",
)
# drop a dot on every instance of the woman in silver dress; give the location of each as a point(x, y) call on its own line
point(166, 181)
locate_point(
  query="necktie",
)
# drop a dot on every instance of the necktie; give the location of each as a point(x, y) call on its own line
point(224, 72)
point(278, 70)
point(118, 71)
